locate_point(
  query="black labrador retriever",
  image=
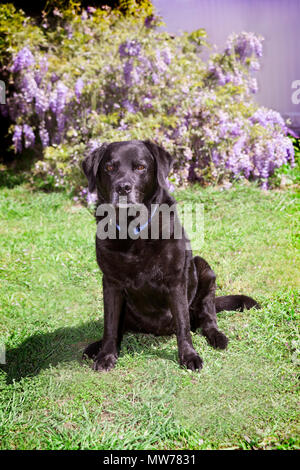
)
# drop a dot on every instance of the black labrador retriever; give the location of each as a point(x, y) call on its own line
point(150, 285)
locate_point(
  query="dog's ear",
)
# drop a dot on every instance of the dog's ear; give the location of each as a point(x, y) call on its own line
point(91, 163)
point(163, 159)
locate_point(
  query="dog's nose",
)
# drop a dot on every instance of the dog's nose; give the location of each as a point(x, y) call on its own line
point(124, 188)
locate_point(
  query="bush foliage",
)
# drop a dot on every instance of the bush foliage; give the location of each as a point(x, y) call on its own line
point(84, 76)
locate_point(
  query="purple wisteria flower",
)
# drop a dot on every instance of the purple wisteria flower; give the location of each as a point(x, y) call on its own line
point(130, 49)
point(216, 71)
point(28, 136)
point(17, 138)
point(38, 77)
point(188, 154)
point(128, 106)
point(290, 151)
point(44, 136)
point(29, 86)
point(170, 186)
point(167, 56)
point(245, 45)
point(58, 98)
point(79, 85)
point(235, 129)
point(127, 71)
point(92, 145)
point(204, 109)
point(160, 62)
point(137, 75)
point(266, 117)
point(54, 77)
point(123, 126)
point(91, 198)
point(44, 65)
point(155, 78)
point(239, 145)
point(61, 122)
point(264, 185)
point(23, 60)
point(147, 102)
point(244, 49)
point(149, 20)
point(252, 85)
point(41, 102)
point(69, 31)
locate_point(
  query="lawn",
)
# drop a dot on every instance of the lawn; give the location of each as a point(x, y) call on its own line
point(51, 308)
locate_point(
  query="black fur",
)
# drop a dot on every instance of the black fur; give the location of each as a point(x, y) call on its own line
point(150, 286)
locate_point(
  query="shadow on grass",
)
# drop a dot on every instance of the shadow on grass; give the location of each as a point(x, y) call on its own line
point(16, 170)
point(40, 351)
point(10, 178)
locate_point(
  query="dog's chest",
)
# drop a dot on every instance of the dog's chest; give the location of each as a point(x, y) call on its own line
point(134, 272)
point(135, 269)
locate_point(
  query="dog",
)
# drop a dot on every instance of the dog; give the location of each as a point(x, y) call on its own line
point(150, 285)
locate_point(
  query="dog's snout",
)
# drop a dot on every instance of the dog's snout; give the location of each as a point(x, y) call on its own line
point(124, 188)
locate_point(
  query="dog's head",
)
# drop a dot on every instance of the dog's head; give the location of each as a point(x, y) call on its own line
point(134, 169)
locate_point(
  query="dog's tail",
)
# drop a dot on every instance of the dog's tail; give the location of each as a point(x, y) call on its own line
point(235, 302)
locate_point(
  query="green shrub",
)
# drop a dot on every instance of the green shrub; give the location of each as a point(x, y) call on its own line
point(82, 77)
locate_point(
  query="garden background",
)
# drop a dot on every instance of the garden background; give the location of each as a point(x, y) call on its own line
point(77, 75)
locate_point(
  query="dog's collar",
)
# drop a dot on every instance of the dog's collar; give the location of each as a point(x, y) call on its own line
point(139, 229)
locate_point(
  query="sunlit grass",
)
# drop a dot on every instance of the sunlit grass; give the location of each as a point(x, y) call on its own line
point(51, 307)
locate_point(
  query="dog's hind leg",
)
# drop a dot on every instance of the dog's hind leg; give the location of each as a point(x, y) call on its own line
point(203, 308)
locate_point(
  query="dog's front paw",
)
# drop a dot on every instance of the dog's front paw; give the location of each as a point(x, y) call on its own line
point(216, 338)
point(105, 362)
point(191, 360)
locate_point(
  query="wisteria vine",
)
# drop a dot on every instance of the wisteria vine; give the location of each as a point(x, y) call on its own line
point(143, 85)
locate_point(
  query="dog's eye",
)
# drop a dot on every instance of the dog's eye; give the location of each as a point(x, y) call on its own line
point(109, 167)
point(140, 167)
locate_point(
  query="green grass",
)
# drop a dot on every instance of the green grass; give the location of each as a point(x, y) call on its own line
point(51, 307)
